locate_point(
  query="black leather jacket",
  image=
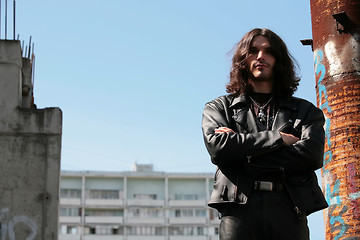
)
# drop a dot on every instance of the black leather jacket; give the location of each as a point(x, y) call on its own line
point(243, 155)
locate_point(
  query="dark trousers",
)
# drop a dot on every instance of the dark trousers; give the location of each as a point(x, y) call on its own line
point(266, 216)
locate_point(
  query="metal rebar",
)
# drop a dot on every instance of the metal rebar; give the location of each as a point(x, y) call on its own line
point(5, 19)
point(0, 19)
point(29, 47)
point(14, 14)
point(33, 71)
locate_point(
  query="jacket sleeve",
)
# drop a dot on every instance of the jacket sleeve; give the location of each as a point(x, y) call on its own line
point(306, 154)
point(233, 148)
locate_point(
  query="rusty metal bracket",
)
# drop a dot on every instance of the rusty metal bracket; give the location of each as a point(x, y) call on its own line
point(307, 42)
point(343, 20)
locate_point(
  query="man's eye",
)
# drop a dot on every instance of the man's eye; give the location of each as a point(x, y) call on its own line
point(269, 51)
point(252, 51)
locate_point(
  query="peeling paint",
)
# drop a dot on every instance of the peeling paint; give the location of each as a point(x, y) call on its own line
point(335, 66)
point(337, 72)
point(354, 196)
point(335, 55)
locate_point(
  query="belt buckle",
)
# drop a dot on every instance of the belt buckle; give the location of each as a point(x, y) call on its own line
point(264, 186)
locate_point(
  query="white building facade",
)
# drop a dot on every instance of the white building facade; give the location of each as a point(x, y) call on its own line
point(138, 205)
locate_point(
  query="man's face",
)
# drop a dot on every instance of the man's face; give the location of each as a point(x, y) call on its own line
point(260, 61)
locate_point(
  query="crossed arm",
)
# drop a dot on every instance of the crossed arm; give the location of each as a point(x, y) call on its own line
point(288, 139)
point(228, 147)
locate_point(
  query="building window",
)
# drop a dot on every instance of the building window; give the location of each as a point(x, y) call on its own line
point(183, 213)
point(186, 197)
point(186, 231)
point(92, 230)
point(200, 213)
point(70, 212)
point(65, 229)
point(102, 194)
point(104, 212)
point(214, 214)
point(145, 231)
point(70, 193)
point(145, 196)
point(145, 212)
point(178, 213)
point(200, 231)
point(103, 230)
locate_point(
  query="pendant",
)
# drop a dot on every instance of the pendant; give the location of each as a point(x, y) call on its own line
point(262, 117)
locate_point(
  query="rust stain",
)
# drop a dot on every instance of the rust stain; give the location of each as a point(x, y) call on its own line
point(336, 45)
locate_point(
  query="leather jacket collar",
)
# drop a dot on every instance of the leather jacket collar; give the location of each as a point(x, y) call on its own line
point(245, 118)
point(243, 100)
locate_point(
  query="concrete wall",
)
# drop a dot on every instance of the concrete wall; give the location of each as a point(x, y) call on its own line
point(30, 146)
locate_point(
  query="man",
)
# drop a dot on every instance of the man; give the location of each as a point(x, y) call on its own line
point(266, 145)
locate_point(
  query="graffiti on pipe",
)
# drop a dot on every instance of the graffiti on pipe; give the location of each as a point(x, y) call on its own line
point(337, 220)
point(8, 225)
point(332, 197)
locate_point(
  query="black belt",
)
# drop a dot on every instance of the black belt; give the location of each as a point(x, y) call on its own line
point(268, 186)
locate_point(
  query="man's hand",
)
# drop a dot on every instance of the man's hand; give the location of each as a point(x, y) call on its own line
point(289, 139)
point(223, 130)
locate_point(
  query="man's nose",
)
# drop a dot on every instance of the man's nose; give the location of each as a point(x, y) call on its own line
point(260, 55)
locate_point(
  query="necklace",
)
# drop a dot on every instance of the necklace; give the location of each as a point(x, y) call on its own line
point(261, 115)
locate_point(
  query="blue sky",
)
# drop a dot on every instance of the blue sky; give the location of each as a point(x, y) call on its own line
point(132, 77)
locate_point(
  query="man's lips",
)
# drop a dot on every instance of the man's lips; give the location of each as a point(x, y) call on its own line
point(261, 65)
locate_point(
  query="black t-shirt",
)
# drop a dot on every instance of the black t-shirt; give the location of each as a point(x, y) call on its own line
point(264, 107)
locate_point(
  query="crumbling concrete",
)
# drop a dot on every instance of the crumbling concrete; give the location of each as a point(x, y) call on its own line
point(30, 146)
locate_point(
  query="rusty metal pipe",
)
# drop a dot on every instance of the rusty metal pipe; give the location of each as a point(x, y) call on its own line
point(336, 44)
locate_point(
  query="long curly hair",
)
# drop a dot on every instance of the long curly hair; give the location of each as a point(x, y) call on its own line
point(286, 80)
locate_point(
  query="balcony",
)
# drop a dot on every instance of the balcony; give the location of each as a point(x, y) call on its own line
point(176, 203)
point(70, 201)
point(215, 221)
point(131, 237)
point(69, 236)
point(147, 220)
point(187, 220)
point(65, 219)
point(104, 219)
point(145, 202)
point(103, 237)
point(188, 237)
point(214, 237)
point(104, 202)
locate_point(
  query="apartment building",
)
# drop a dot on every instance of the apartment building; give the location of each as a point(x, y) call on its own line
point(136, 205)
